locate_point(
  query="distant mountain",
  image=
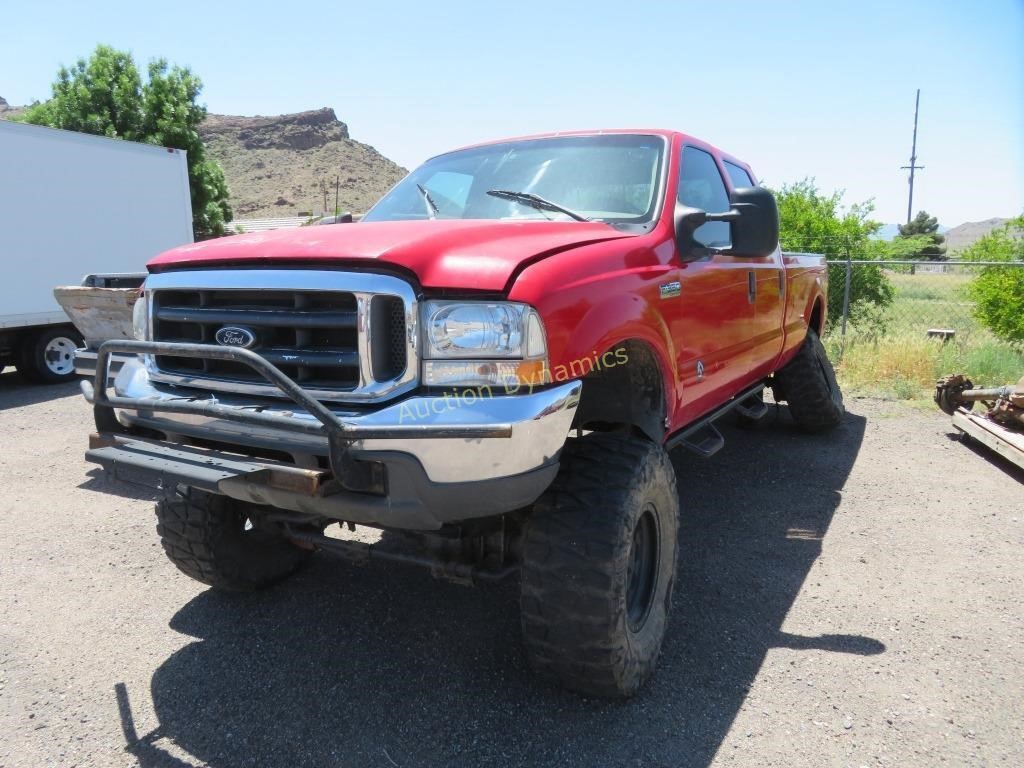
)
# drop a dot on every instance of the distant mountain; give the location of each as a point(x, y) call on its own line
point(889, 231)
point(274, 165)
point(959, 238)
point(6, 110)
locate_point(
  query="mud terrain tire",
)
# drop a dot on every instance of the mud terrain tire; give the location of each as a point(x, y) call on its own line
point(808, 383)
point(599, 562)
point(205, 535)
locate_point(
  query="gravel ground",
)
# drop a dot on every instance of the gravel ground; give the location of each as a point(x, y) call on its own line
point(848, 600)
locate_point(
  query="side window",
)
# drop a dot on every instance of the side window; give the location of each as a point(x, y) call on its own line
point(701, 186)
point(738, 176)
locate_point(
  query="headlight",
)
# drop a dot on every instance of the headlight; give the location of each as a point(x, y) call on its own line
point(140, 318)
point(483, 343)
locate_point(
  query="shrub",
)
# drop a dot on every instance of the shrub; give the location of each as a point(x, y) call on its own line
point(998, 291)
point(812, 221)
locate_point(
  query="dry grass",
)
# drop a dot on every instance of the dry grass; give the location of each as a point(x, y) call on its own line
point(892, 356)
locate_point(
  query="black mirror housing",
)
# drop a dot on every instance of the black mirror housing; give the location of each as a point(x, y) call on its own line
point(687, 220)
point(754, 218)
point(755, 231)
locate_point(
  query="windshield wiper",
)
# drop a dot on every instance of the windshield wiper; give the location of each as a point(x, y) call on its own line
point(535, 201)
point(432, 209)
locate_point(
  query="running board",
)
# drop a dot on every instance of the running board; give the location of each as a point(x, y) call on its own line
point(703, 438)
point(753, 408)
point(706, 441)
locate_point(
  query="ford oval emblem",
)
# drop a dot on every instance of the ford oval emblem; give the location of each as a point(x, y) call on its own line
point(235, 336)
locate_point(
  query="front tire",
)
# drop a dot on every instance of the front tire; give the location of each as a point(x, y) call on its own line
point(599, 562)
point(808, 383)
point(221, 542)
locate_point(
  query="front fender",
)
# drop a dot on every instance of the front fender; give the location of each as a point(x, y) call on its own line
point(607, 326)
point(595, 299)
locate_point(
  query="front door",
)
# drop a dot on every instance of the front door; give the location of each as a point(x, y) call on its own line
point(712, 324)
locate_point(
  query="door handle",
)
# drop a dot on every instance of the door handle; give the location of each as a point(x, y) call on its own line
point(751, 287)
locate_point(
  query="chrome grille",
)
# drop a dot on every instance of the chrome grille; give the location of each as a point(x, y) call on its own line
point(340, 335)
point(309, 335)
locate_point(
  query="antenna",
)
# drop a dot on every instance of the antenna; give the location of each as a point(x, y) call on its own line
point(913, 160)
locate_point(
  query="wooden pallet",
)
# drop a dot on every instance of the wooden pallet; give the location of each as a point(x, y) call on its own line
point(1006, 443)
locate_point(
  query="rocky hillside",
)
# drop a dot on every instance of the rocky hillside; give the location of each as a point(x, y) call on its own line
point(967, 234)
point(6, 110)
point(274, 165)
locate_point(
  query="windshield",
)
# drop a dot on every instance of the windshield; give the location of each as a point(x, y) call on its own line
point(612, 178)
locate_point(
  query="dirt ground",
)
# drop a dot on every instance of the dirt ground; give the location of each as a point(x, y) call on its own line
point(855, 599)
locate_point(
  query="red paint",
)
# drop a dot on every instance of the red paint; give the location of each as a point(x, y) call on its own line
point(594, 286)
point(460, 253)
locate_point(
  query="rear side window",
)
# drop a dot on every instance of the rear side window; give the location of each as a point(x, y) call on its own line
point(738, 176)
point(701, 186)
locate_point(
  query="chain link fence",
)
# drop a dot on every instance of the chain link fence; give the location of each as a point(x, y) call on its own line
point(895, 326)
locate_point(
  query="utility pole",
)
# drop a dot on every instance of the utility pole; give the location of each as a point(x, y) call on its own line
point(324, 187)
point(913, 160)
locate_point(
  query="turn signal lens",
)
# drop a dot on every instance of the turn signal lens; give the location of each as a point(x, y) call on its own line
point(512, 375)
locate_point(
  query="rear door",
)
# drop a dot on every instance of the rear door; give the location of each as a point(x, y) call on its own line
point(766, 278)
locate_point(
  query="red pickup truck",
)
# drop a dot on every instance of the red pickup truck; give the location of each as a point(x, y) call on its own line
point(490, 367)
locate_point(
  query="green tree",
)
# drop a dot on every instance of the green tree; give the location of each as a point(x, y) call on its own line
point(812, 221)
point(106, 96)
point(998, 292)
point(923, 233)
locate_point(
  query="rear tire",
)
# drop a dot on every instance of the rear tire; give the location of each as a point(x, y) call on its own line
point(599, 562)
point(808, 383)
point(47, 356)
point(216, 540)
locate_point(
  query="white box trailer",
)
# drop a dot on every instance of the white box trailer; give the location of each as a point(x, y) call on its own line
point(73, 204)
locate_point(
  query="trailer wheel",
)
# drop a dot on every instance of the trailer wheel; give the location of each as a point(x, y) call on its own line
point(47, 356)
point(599, 562)
point(808, 383)
point(219, 541)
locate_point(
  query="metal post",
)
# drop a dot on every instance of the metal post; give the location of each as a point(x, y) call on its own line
point(848, 284)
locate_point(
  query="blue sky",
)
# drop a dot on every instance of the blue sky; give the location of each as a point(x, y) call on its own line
point(822, 89)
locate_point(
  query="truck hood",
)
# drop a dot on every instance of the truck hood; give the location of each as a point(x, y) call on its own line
point(459, 253)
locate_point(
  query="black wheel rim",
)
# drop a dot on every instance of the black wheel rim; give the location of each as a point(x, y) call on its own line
point(642, 574)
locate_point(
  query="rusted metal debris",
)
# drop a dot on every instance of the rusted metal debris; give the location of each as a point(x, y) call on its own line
point(1004, 405)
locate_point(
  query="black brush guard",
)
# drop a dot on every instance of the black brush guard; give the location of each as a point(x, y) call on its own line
point(353, 475)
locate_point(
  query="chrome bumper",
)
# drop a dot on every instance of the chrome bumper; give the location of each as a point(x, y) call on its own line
point(473, 440)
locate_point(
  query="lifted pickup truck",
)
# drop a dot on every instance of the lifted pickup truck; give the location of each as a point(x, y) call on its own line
point(492, 364)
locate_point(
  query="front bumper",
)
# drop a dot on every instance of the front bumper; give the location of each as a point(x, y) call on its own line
point(416, 463)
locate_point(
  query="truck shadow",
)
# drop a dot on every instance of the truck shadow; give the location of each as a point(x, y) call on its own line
point(382, 666)
point(16, 392)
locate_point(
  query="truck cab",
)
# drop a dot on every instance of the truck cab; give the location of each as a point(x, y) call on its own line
point(492, 364)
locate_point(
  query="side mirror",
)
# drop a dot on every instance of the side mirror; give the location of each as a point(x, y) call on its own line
point(754, 217)
point(755, 232)
point(687, 220)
